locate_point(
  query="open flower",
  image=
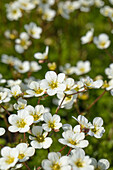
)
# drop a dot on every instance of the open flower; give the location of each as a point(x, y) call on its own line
point(74, 140)
point(36, 89)
point(36, 112)
point(82, 67)
point(16, 90)
point(42, 56)
point(52, 122)
point(39, 140)
point(56, 162)
point(84, 124)
point(109, 71)
point(102, 41)
point(33, 30)
point(22, 103)
point(53, 82)
point(24, 152)
point(21, 122)
point(22, 43)
point(4, 97)
point(22, 67)
point(79, 161)
point(98, 130)
point(89, 83)
point(88, 37)
point(9, 157)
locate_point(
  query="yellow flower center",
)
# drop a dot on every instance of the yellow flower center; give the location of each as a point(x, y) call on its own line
point(53, 85)
point(73, 142)
point(68, 98)
point(14, 11)
point(82, 69)
point(32, 32)
point(36, 117)
point(51, 125)
point(56, 167)
point(95, 130)
point(102, 43)
point(21, 123)
point(21, 156)
point(10, 160)
point(38, 91)
point(40, 138)
point(79, 163)
point(105, 85)
point(23, 42)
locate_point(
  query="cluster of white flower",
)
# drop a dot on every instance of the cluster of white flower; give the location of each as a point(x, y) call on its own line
point(33, 120)
point(16, 9)
point(27, 117)
point(102, 41)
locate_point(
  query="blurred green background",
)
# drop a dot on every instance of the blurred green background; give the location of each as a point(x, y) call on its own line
point(65, 47)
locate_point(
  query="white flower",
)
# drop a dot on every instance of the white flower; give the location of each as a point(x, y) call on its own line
point(109, 71)
point(88, 37)
point(17, 166)
point(82, 67)
point(48, 14)
point(88, 82)
point(13, 82)
point(73, 140)
point(22, 43)
point(79, 86)
point(13, 11)
point(42, 56)
point(9, 157)
point(69, 82)
point(98, 130)
point(105, 11)
point(85, 5)
point(46, 2)
point(56, 162)
point(21, 122)
point(34, 66)
point(36, 89)
point(79, 161)
point(22, 67)
point(2, 131)
point(109, 85)
point(68, 101)
point(9, 59)
point(24, 152)
point(21, 104)
point(39, 139)
point(99, 3)
point(102, 41)
point(53, 82)
point(36, 112)
point(16, 90)
point(33, 30)
point(11, 34)
point(1, 79)
point(52, 122)
point(67, 69)
point(83, 123)
point(26, 5)
point(4, 97)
